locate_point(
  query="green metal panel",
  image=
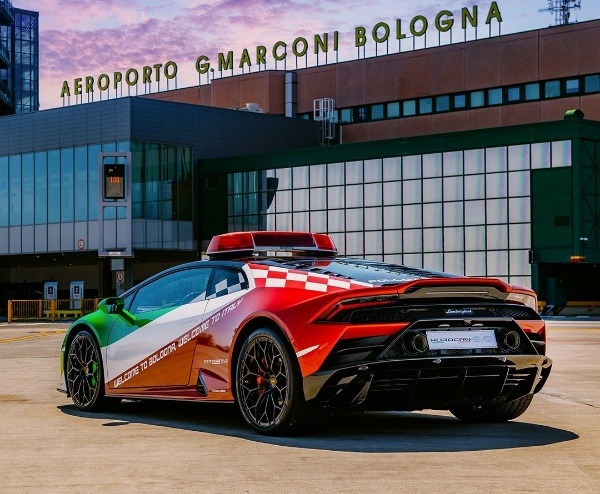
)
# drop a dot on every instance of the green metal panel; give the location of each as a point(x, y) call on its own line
point(552, 214)
point(212, 206)
point(455, 141)
point(589, 199)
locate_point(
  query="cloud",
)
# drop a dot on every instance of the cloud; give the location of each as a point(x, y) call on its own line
point(90, 37)
point(199, 29)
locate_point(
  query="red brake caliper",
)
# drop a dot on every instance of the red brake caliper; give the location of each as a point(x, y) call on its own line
point(260, 380)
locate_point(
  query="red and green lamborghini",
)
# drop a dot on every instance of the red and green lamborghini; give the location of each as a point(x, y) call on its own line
point(281, 325)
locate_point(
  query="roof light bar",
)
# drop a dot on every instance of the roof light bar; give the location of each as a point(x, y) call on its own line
point(246, 243)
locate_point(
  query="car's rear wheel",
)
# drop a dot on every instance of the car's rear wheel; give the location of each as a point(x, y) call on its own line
point(493, 413)
point(84, 373)
point(269, 387)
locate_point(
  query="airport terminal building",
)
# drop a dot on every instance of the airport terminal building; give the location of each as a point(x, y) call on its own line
point(479, 158)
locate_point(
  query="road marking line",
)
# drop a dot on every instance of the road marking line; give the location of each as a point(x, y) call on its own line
point(32, 336)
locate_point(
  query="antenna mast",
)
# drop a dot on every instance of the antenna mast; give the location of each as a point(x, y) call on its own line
point(562, 10)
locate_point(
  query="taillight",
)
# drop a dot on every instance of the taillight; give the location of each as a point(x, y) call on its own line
point(528, 299)
point(338, 311)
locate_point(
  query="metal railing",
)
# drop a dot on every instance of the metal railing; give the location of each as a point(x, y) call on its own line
point(52, 310)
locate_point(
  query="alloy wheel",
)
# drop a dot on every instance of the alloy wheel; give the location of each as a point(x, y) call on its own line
point(264, 378)
point(83, 366)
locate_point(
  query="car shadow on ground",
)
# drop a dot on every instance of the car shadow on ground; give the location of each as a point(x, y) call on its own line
point(372, 432)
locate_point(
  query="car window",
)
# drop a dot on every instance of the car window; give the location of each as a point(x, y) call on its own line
point(226, 281)
point(172, 290)
point(127, 300)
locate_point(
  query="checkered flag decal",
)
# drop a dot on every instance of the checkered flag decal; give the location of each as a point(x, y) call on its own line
point(272, 276)
point(229, 285)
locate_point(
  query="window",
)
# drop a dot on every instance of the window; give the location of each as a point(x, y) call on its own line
point(393, 109)
point(225, 282)
point(15, 185)
point(92, 160)
point(495, 96)
point(347, 116)
point(477, 99)
point(572, 86)
point(425, 105)
point(67, 191)
point(299, 175)
point(81, 191)
point(4, 190)
point(474, 99)
point(532, 91)
point(442, 103)
point(592, 84)
point(27, 191)
point(409, 108)
point(377, 112)
point(172, 290)
point(354, 196)
point(41, 189)
point(552, 89)
point(513, 94)
point(460, 101)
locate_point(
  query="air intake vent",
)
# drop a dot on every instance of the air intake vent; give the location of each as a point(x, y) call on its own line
point(201, 386)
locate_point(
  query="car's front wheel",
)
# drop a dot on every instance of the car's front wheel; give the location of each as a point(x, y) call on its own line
point(269, 387)
point(493, 413)
point(84, 373)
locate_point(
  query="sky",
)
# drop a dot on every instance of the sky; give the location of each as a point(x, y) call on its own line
point(80, 38)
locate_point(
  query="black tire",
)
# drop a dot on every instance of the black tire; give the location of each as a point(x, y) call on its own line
point(493, 413)
point(268, 387)
point(84, 374)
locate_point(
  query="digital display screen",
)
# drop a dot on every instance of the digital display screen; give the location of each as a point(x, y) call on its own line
point(114, 181)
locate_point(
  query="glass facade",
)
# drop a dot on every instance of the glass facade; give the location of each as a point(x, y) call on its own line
point(26, 62)
point(19, 62)
point(6, 22)
point(465, 212)
point(60, 187)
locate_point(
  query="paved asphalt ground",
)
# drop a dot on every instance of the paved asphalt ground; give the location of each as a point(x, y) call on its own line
point(46, 445)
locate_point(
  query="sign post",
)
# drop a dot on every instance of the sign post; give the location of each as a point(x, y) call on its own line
point(115, 213)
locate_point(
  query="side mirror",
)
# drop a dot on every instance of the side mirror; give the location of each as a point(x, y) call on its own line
point(112, 305)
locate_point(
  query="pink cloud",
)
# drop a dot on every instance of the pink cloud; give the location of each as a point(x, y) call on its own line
point(89, 37)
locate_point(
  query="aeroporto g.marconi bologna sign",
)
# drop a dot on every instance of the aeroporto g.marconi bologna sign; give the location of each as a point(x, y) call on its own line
point(322, 43)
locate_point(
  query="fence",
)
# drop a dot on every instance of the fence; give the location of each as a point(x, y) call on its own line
point(20, 310)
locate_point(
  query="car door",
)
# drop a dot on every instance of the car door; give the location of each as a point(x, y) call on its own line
point(147, 345)
point(223, 313)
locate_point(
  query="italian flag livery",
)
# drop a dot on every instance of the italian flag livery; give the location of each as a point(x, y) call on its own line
point(281, 325)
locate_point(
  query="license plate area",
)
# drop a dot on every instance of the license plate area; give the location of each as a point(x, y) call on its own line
point(472, 339)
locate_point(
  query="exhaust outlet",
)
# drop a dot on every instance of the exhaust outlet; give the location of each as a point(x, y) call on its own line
point(415, 343)
point(512, 340)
